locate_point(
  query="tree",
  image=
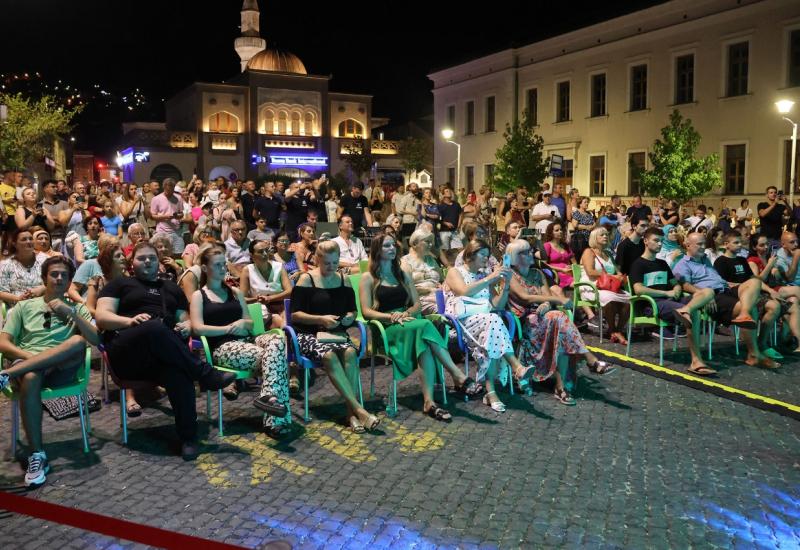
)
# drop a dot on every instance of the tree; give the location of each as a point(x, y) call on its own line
point(676, 173)
point(416, 154)
point(32, 125)
point(520, 162)
point(359, 157)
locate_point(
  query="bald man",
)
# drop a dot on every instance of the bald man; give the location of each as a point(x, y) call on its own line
point(731, 305)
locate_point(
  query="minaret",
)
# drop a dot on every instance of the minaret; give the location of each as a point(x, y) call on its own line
point(250, 42)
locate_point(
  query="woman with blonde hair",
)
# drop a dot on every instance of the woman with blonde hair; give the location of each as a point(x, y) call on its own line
point(595, 261)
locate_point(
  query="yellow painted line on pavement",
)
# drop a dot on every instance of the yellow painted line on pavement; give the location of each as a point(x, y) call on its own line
point(699, 380)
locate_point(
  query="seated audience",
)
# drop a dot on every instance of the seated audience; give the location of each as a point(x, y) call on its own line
point(21, 272)
point(351, 249)
point(202, 234)
point(286, 257)
point(168, 268)
point(631, 247)
point(88, 270)
point(86, 247)
point(266, 282)
point(671, 250)
point(237, 249)
point(42, 244)
point(425, 270)
point(304, 248)
point(136, 233)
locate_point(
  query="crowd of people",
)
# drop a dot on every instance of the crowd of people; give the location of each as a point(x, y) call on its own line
point(139, 270)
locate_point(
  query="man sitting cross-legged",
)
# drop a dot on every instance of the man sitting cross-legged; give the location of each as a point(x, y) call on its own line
point(46, 340)
point(731, 305)
point(736, 270)
point(653, 277)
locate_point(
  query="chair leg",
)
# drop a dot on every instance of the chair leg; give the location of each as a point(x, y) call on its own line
point(736, 338)
point(630, 332)
point(219, 412)
point(88, 418)
point(675, 340)
point(360, 389)
point(306, 418)
point(14, 428)
point(444, 384)
point(391, 407)
point(372, 375)
point(601, 323)
point(660, 344)
point(710, 337)
point(81, 414)
point(104, 379)
point(123, 416)
point(510, 378)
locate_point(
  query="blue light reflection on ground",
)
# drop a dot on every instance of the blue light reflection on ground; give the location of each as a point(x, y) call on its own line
point(774, 523)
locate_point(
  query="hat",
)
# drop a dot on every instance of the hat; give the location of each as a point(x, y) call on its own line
point(546, 192)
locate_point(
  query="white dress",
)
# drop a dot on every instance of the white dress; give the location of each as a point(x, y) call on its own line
point(606, 296)
point(485, 334)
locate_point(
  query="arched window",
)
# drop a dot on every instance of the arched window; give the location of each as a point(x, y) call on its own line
point(282, 123)
point(269, 121)
point(308, 124)
point(223, 122)
point(295, 123)
point(163, 171)
point(350, 128)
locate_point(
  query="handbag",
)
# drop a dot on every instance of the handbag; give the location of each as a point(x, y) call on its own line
point(66, 407)
point(331, 338)
point(607, 281)
point(467, 306)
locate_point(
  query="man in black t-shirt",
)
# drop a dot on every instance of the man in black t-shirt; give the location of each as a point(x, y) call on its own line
point(631, 247)
point(299, 199)
point(249, 204)
point(268, 207)
point(145, 322)
point(653, 277)
point(450, 212)
point(356, 206)
point(639, 210)
point(736, 270)
point(773, 214)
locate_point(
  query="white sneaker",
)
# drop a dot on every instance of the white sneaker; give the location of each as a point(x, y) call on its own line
point(38, 467)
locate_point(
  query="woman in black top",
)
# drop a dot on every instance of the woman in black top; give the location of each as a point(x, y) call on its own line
point(145, 323)
point(220, 313)
point(323, 301)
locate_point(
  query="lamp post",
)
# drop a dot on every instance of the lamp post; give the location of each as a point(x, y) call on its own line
point(784, 107)
point(447, 134)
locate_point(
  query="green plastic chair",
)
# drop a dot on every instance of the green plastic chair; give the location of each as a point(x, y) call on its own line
point(79, 388)
point(391, 408)
point(653, 319)
point(258, 330)
point(577, 299)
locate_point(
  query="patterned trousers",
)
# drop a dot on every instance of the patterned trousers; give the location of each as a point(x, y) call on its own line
point(267, 353)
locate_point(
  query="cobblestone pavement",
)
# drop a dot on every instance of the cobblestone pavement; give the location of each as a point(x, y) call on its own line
point(639, 463)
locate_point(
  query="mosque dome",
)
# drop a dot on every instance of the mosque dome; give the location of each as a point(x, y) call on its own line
point(277, 61)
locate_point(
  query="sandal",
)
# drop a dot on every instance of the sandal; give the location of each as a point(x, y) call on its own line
point(701, 371)
point(564, 398)
point(438, 413)
point(356, 426)
point(469, 388)
point(763, 362)
point(525, 387)
point(294, 387)
point(684, 317)
point(231, 392)
point(601, 368)
point(371, 422)
point(497, 406)
point(270, 405)
point(133, 410)
point(521, 373)
point(617, 338)
point(277, 432)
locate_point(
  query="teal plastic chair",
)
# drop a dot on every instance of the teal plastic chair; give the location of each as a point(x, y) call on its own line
point(79, 389)
point(577, 299)
point(652, 319)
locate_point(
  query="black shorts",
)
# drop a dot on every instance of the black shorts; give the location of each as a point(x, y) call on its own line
point(668, 307)
point(10, 224)
point(726, 301)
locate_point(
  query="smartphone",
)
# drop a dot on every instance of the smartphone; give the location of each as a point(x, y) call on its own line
point(80, 199)
point(506, 260)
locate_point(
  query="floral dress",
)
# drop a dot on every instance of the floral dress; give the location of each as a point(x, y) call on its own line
point(546, 337)
point(484, 333)
point(427, 280)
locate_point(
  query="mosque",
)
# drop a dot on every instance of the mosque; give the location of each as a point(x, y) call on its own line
point(273, 118)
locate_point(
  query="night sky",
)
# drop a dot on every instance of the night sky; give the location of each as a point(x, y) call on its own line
point(379, 48)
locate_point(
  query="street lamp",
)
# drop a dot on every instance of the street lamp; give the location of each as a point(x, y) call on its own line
point(784, 107)
point(447, 134)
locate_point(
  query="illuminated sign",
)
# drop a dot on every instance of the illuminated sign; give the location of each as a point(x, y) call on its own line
point(142, 156)
point(124, 158)
point(290, 160)
point(258, 159)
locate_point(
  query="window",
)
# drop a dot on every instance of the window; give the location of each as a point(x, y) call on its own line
point(282, 123)
point(469, 126)
point(597, 175)
point(488, 173)
point(638, 88)
point(566, 167)
point(269, 121)
point(223, 122)
point(532, 104)
point(636, 164)
point(562, 107)
point(490, 114)
point(734, 167)
point(470, 177)
point(738, 61)
point(794, 58)
point(350, 128)
point(599, 95)
point(308, 124)
point(295, 124)
point(684, 79)
point(451, 117)
point(451, 177)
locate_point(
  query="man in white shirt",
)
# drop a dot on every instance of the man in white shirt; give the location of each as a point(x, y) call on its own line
point(351, 249)
point(544, 213)
point(699, 220)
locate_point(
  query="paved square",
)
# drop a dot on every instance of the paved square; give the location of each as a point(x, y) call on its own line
point(639, 463)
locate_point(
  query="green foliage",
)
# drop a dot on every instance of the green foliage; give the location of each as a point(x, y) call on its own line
point(359, 157)
point(676, 173)
point(520, 162)
point(416, 153)
point(32, 125)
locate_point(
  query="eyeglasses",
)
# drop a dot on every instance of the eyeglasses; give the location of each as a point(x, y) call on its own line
point(262, 251)
point(283, 241)
point(48, 319)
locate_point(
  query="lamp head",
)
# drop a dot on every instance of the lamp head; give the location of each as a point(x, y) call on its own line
point(784, 106)
point(447, 133)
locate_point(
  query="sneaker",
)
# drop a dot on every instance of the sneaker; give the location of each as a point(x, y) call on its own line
point(4, 380)
point(772, 354)
point(669, 334)
point(38, 467)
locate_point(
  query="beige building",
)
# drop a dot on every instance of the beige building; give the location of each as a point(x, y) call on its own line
point(600, 95)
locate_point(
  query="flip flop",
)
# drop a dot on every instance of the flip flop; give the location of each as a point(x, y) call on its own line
point(686, 316)
point(764, 363)
point(745, 322)
point(134, 410)
point(270, 405)
point(701, 371)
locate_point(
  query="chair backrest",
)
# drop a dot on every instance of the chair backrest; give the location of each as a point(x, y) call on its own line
point(258, 318)
point(363, 266)
point(355, 281)
point(287, 307)
point(576, 272)
point(440, 302)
